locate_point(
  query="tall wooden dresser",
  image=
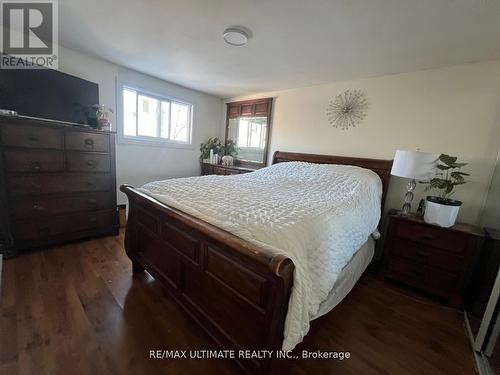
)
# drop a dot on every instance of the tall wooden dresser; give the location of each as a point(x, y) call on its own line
point(57, 183)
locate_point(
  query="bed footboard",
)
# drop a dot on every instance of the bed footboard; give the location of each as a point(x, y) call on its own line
point(237, 292)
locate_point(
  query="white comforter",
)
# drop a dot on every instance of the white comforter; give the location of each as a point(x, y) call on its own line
point(319, 215)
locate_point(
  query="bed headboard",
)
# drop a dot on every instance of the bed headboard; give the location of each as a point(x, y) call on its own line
point(379, 166)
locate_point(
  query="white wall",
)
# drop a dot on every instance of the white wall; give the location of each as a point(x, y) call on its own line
point(138, 164)
point(453, 110)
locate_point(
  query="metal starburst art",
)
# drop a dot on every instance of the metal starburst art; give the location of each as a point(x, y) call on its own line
point(348, 109)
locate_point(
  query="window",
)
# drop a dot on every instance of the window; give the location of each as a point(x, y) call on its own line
point(146, 117)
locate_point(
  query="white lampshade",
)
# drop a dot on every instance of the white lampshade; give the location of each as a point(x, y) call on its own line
point(414, 164)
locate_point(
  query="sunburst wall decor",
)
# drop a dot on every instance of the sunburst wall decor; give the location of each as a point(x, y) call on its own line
point(348, 109)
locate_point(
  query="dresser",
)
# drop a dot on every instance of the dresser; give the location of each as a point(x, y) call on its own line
point(219, 169)
point(435, 260)
point(57, 183)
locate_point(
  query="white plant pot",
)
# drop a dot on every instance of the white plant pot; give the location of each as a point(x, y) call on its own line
point(440, 211)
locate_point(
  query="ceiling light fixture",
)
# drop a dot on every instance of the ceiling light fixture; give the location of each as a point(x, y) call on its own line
point(235, 36)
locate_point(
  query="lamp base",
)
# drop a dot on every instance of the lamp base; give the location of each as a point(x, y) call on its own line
point(410, 187)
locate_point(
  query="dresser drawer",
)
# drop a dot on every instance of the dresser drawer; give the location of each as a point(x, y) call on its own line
point(31, 136)
point(34, 161)
point(425, 278)
point(435, 237)
point(88, 162)
point(58, 183)
point(30, 207)
point(426, 255)
point(82, 141)
point(207, 169)
point(41, 228)
point(219, 171)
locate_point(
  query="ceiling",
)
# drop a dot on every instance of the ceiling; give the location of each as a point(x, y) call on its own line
point(294, 43)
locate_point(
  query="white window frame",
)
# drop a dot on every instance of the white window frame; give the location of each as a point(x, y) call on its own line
point(147, 140)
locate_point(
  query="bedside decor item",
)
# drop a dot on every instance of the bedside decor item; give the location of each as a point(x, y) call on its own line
point(415, 165)
point(102, 114)
point(442, 210)
point(227, 160)
point(348, 109)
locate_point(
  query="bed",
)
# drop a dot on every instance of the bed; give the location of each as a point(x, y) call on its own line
point(226, 272)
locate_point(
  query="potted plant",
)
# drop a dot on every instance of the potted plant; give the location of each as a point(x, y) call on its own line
point(102, 114)
point(217, 147)
point(441, 209)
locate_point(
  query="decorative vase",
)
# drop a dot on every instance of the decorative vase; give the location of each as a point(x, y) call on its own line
point(441, 211)
point(103, 124)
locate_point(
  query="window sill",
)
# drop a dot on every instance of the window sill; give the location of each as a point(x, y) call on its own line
point(156, 143)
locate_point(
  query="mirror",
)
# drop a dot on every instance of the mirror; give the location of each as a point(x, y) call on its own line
point(250, 136)
point(248, 126)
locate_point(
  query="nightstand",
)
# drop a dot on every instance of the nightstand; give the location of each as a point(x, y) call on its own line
point(429, 258)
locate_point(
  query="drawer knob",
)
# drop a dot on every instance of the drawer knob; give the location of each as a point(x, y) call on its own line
point(36, 165)
point(90, 183)
point(89, 143)
point(91, 164)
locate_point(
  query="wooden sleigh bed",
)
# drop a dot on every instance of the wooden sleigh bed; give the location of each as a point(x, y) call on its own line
point(237, 292)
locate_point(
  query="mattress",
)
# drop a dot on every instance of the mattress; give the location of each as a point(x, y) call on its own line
point(318, 215)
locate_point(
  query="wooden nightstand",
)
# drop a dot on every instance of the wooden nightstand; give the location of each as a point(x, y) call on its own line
point(207, 168)
point(432, 259)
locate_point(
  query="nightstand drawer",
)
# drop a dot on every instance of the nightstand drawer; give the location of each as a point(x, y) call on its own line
point(426, 255)
point(435, 237)
point(425, 278)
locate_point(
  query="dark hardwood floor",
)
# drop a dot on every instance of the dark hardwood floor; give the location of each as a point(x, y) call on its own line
point(77, 309)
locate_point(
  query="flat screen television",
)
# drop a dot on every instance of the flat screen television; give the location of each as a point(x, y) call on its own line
point(48, 94)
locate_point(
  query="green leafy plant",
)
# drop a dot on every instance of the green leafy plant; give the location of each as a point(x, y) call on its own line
point(231, 148)
point(102, 112)
point(219, 148)
point(448, 176)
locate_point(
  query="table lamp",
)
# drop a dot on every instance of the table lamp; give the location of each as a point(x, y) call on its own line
point(416, 165)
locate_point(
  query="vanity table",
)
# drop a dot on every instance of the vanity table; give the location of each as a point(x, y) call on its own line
point(248, 125)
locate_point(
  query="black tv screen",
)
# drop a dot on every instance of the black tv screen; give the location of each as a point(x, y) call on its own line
point(48, 94)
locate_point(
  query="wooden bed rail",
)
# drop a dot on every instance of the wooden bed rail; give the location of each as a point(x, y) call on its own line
point(237, 292)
